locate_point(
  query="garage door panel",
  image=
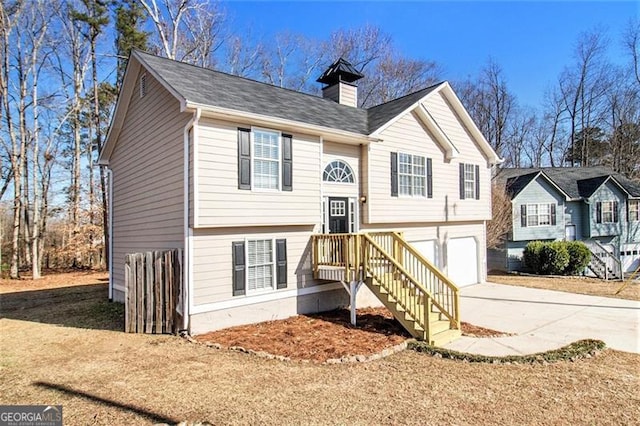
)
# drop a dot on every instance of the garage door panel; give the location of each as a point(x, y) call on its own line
point(462, 261)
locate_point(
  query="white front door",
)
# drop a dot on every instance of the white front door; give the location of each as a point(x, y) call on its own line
point(570, 233)
point(462, 261)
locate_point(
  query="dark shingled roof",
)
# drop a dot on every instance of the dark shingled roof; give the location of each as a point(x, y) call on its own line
point(214, 88)
point(208, 87)
point(577, 182)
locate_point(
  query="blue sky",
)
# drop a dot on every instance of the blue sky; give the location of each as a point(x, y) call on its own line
point(532, 41)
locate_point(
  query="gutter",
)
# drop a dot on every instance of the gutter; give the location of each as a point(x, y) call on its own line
point(110, 242)
point(188, 233)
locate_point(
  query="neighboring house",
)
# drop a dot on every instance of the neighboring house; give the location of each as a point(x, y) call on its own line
point(241, 174)
point(592, 204)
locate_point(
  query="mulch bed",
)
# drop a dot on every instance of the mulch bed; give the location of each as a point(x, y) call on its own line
point(323, 336)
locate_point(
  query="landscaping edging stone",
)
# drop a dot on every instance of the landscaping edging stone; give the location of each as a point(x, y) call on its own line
point(343, 360)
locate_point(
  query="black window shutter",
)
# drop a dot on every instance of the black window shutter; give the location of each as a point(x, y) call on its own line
point(615, 212)
point(287, 163)
point(244, 159)
point(462, 181)
point(598, 212)
point(477, 182)
point(239, 268)
point(429, 178)
point(553, 214)
point(523, 215)
point(394, 174)
point(281, 263)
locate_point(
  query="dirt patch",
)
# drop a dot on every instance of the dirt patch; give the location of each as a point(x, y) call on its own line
point(477, 331)
point(53, 280)
point(579, 285)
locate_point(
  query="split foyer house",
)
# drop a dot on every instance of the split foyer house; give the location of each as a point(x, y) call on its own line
point(281, 200)
point(591, 204)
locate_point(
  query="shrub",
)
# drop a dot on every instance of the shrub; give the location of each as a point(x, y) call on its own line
point(554, 258)
point(557, 257)
point(531, 256)
point(579, 257)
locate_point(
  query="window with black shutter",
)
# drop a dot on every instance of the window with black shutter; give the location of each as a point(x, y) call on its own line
point(259, 265)
point(265, 160)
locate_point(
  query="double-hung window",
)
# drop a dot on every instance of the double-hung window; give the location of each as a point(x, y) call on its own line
point(634, 210)
point(469, 181)
point(411, 175)
point(538, 215)
point(608, 212)
point(264, 160)
point(259, 265)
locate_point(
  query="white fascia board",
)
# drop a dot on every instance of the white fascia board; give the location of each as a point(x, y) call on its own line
point(441, 137)
point(265, 120)
point(459, 108)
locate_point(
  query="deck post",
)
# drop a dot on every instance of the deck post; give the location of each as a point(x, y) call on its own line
point(354, 286)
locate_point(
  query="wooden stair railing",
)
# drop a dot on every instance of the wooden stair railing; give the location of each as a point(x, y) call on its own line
point(420, 297)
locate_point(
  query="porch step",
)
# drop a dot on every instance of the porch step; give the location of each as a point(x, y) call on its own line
point(444, 337)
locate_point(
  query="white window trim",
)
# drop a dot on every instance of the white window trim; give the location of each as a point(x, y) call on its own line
point(538, 215)
point(274, 287)
point(412, 175)
point(610, 203)
point(637, 210)
point(353, 175)
point(253, 159)
point(472, 180)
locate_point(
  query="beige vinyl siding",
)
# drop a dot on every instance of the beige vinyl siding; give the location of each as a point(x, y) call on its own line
point(147, 166)
point(350, 154)
point(221, 203)
point(212, 261)
point(408, 135)
point(348, 95)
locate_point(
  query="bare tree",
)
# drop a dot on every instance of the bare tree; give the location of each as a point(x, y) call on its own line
point(583, 88)
point(501, 222)
point(187, 31)
point(631, 43)
point(490, 104)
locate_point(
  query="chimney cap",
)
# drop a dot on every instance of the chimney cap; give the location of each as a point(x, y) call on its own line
point(340, 70)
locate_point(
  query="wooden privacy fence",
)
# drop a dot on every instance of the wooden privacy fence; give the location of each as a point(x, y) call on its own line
point(153, 281)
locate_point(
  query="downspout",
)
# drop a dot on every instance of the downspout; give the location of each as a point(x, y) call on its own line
point(110, 242)
point(186, 268)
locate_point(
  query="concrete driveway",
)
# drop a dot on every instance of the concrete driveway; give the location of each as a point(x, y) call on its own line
point(544, 320)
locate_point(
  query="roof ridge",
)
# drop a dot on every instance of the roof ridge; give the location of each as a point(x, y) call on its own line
point(245, 78)
point(408, 94)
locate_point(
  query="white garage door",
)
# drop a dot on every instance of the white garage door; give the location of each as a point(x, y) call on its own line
point(630, 257)
point(427, 249)
point(462, 260)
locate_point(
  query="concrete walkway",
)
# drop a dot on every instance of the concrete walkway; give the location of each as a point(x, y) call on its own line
point(544, 320)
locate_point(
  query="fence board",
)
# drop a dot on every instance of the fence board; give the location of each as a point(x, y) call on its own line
point(153, 281)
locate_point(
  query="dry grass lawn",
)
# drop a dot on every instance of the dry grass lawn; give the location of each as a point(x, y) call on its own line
point(580, 285)
point(56, 353)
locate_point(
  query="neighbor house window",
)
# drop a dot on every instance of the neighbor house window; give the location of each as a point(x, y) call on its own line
point(634, 210)
point(607, 212)
point(412, 174)
point(538, 215)
point(265, 160)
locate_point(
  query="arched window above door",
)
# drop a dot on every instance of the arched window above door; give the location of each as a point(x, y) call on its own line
point(338, 171)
